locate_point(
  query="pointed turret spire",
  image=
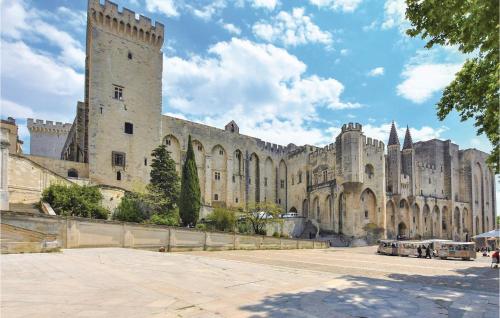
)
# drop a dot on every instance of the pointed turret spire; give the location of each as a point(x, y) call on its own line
point(408, 143)
point(393, 136)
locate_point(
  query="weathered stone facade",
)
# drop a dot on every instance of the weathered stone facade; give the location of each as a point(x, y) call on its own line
point(341, 187)
point(436, 190)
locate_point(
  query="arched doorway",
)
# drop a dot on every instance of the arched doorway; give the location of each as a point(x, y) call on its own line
point(402, 230)
point(316, 212)
point(305, 208)
point(293, 210)
point(72, 173)
point(369, 206)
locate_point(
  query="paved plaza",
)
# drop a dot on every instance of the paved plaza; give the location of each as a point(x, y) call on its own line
point(113, 282)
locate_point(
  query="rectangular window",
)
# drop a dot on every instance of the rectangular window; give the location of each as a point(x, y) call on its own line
point(234, 179)
point(366, 214)
point(249, 180)
point(129, 128)
point(300, 177)
point(282, 184)
point(236, 200)
point(325, 176)
point(118, 159)
point(216, 197)
point(221, 152)
point(279, 201)
point(118, 92)
point(168, 142)
point(293, 181)
point(145, 161)
point(217, 175)
point(265, 181)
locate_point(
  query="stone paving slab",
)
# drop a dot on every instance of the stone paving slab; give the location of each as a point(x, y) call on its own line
point(117, 282)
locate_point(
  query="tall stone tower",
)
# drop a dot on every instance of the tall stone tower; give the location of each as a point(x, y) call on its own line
point(47, 138)
point(393, 162)
point(349, 154)
point(408, 161)
point(123, 97)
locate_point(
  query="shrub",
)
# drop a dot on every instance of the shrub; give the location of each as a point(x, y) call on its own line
point(222, 219)
point(276, 234)
point(170, 219)
point(201, 226)
point(131, 209)
point(244, 227)
point(75, 200)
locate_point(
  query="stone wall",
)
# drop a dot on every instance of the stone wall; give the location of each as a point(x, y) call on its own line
point(63, 168)
point(27, 180)
point(79, 233)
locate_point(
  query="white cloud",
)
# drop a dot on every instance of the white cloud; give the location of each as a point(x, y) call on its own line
point(266, 4)
point(38, 71)
point(268, 95)
point(371, 26)
point(378, 71)
point(165, 7)
point(344, 52)
point(12, 109)
point(418, 134)
point(77, 19)
point(19, 22)
point(292, 29)
point(208, 11)
point(394, 15)
point(342, 5)
point(423, 80)
point(231, 28)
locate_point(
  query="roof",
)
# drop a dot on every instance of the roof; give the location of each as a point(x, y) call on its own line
point(408, 143)
point(393, 136)
point(492, 233)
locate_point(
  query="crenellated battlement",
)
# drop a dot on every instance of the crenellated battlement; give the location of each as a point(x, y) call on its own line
point(371, 142)
point(125, 23)
point(273, 148)
point(352, 127)
point(48, 126)
point(323, 151)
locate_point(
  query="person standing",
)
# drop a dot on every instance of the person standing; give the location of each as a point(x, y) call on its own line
point(419, 251)
point(428, 252)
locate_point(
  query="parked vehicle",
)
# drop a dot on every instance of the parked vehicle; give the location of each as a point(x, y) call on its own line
point(463, 250)
point(388, 247)
point(290, 215)
point(408, 248)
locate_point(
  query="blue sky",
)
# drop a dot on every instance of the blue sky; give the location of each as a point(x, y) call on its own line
point(285, 71)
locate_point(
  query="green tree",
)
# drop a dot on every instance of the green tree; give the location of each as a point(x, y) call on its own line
point(132, 208)
point(260, 214)
point(472, 25)
point(222, 219)
point(164, 182)
point(75, 200)
point(189, 201)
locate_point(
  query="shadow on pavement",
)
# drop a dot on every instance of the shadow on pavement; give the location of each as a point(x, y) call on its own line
point(398, 296)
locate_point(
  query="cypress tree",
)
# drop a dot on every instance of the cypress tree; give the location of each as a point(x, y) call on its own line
point(189, 201)
point(164, 181)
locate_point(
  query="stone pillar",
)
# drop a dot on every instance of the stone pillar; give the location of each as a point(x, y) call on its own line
point(4, 169)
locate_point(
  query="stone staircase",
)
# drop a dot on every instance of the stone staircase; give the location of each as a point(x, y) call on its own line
point(15, 240)
point(310, 231)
